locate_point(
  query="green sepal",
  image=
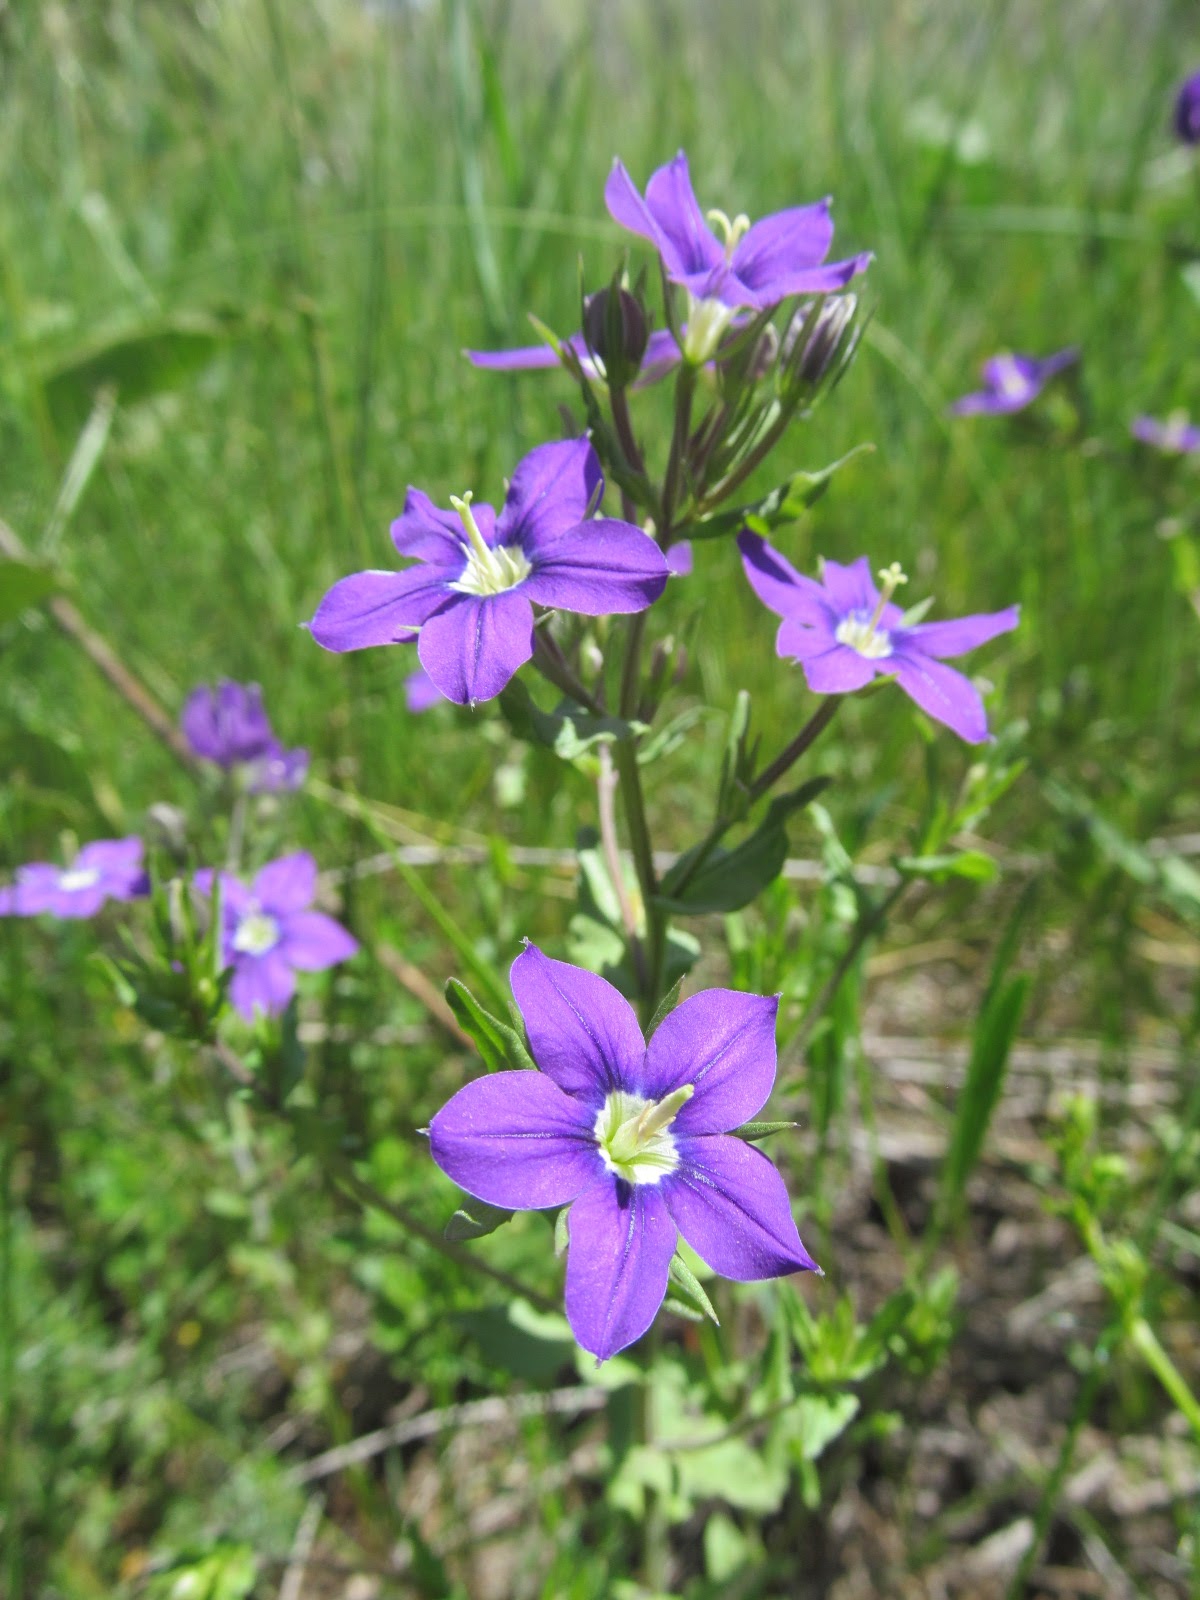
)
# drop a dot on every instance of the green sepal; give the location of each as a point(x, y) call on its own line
point(972, 864)
point(499, 1044)
point(690, 1291)
point(665, 1006)
point(475, 1219)
point(753, 1131)
point(562, 1235)
point(787, 503)
point(569, 730)
point(730, 879)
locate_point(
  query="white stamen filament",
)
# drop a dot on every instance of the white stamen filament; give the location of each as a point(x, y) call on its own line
point(732, 231)
point(489, 570)
point(863, 634)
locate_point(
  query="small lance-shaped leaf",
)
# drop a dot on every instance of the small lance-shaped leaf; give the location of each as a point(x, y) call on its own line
point(475, 1219)
point(665, 1007)
point(730, 879)
point(787, 503)
point(688, 1288)
point(753, 1131)
point(569, 730)
point(994, 1035)
point(499, 1044)
point(23, 584)
point(971, 864)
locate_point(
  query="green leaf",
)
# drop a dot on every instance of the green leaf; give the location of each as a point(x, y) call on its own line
point(23, 584)
point(689, 1289)
point(498, 1043)
point(994, 1035)
point(665, 1007)
point(137, 360)
point(972, 864)
point(730, 879)
point(569, 730)
point(787, 503)
point(562, 1234)
point(475, 1219)
point(753, 1131)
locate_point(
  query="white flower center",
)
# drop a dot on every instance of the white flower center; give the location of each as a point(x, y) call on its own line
point(707, 321)
point(632, 1134)
point(255, 934)
point(1011, 381)
point(489, 570)
point(861, 634)
point(77, 878)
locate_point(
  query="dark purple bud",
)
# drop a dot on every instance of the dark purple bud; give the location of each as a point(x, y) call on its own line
point(1187, 110)
point(816, 341)
point(616, 331)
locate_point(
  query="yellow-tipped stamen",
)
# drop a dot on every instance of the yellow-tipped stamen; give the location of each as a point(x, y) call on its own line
point(891, 578)
point(730, 232)
point(489, 570)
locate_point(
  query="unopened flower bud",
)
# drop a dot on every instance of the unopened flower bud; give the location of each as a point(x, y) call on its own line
point(1187, 110)
point(813, 345)
point(616, 331)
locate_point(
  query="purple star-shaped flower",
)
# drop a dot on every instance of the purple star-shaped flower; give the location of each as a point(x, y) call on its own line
point(107, 869)
point(1187, 110)
point(228, 725)
point(269, 934)
point(845, 632)
point(751, 266)
point(1175, 436)
point(470, 597)
point(633, 1137)
point(1010, 383)
point(662, 353)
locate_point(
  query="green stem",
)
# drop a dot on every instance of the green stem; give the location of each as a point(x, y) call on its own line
point(1145, 1341)
point(556, 669)
point(865, 929)
point(787, 758)
point(634, 805)
point(685, 388)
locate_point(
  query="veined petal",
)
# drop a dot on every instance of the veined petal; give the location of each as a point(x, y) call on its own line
point(944, 693)
point(688, 245)
point(626, 206)
point(681, 559)
point(840, 670)
point(597, 568)
point(798, 642)
point(731, 1206)
point(583, 1033)
point(552, 489)
point(662, 354)
point(263, 982)
point(780, 587)
point(312, 941)
point(473, 647)
point(826, 279)
point(428, 533)
point(372, 608)
point(957, 637)
point(621, 1243)
point(525, 358)
point(850, 588)
point(778, 245)
point(722, 1042)
point(515, 1139)
point(286, 884)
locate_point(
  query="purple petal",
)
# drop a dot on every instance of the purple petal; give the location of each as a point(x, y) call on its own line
point(8, 901)
point(723, 1043)
point(730, 1204)
point(780, 587)
point(428, 533)
point(514, 1139)
point(621, 1243)
point(312, 941)
point(1057, 363)
point(850, 588)
point(265, 983)
point(945, 694)
point(661, 356)
point(36, 889)
point(984, 403)
point(227, 724)
point(373, 608)
point(838, 670)
point(780, 244)
point(583, 1034)
point(420, 692)
point(827, 279)
point(626, 206)
point(956, 637)
point(680, 560)
point(236, 898)
point(476, 645)
point(598, 568)
point(287, 884)
point(278, 770)
point(115, 857)
point(553, 488)
point(1176, 436)
point(686, 242)
point(526, 358)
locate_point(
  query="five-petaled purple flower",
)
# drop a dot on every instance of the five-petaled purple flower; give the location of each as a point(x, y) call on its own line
point(634, 1138)
point(479, 575)
point(228, 725)
point(269, 934)
point(1187, 110)
point(1011, 382)
point(844, 632)
point(751, 266)
point(1175, 436)
point(107, 869)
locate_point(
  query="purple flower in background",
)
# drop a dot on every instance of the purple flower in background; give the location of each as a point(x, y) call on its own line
point(1187, 110)
point(662, 353)
point(108, 869)
point(420, 692)
point(751, 266)
point(478, 576)
point(269, 934)
point(634, 1138)
point(1010, 383)
point(228, 725)
point(1174, 437)
point(845, 632)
